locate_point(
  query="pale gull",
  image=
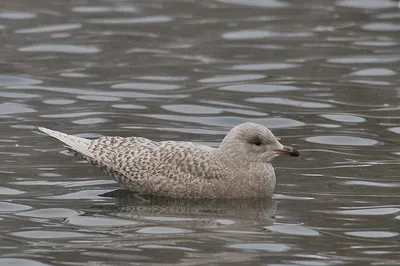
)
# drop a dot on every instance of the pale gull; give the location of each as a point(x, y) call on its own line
point(239, 168)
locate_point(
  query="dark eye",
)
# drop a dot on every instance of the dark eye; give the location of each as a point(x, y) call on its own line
point(255, 141)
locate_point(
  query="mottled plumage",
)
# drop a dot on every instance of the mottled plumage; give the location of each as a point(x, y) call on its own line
point(239, 168)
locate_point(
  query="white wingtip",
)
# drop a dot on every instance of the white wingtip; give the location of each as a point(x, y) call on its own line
point(45, 130)
point(78, 144)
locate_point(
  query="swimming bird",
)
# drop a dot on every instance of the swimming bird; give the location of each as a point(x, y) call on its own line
point(239, 168)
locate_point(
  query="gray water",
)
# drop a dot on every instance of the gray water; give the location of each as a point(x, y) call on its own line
point(323, 75)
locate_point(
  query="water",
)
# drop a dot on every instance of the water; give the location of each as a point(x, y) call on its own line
point(323, 75)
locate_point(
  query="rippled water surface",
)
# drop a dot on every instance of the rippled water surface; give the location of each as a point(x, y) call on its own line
point(323, 75)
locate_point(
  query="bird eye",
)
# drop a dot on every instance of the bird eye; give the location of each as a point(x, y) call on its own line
point(255, 141)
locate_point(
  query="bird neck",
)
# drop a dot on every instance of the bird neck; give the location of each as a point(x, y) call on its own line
point(229, 154)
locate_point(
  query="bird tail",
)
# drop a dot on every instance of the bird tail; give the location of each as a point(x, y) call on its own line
point(77, 144)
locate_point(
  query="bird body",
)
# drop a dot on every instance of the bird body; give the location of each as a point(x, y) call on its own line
point(238, 168)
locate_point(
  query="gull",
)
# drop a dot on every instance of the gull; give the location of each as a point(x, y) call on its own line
point(239, 168)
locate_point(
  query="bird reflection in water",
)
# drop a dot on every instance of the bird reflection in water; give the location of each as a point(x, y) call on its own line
point(227, 213)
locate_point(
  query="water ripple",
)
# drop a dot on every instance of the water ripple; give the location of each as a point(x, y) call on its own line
point(344, 118)
point(163, 230)
point(7, 80)
point(292, 230)
point(372, 234)
point(192, 109)
point(12, 207)
point(364, 59)
point(9, 108)
point(21, 262)
point(261, 34)
point(141, 20)
point(367, 4)
point(104, 9)
point(42, 234)
point(267, 88)
point(50, 213)
point(369, 211)
point(50, 28)
point(381, 26)
point(373, 72)
point(98, 221)
point(146, 86)
point(231, 78)
point(269, 247)
point(17, 15)
point(264, 66)
point(61, 48)
point(342, 140)
point(256, 3)
point(230, 121)
point(289, 102)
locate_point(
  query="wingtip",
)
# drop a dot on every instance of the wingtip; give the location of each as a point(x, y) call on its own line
point(43, 129)
point(48, 131)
